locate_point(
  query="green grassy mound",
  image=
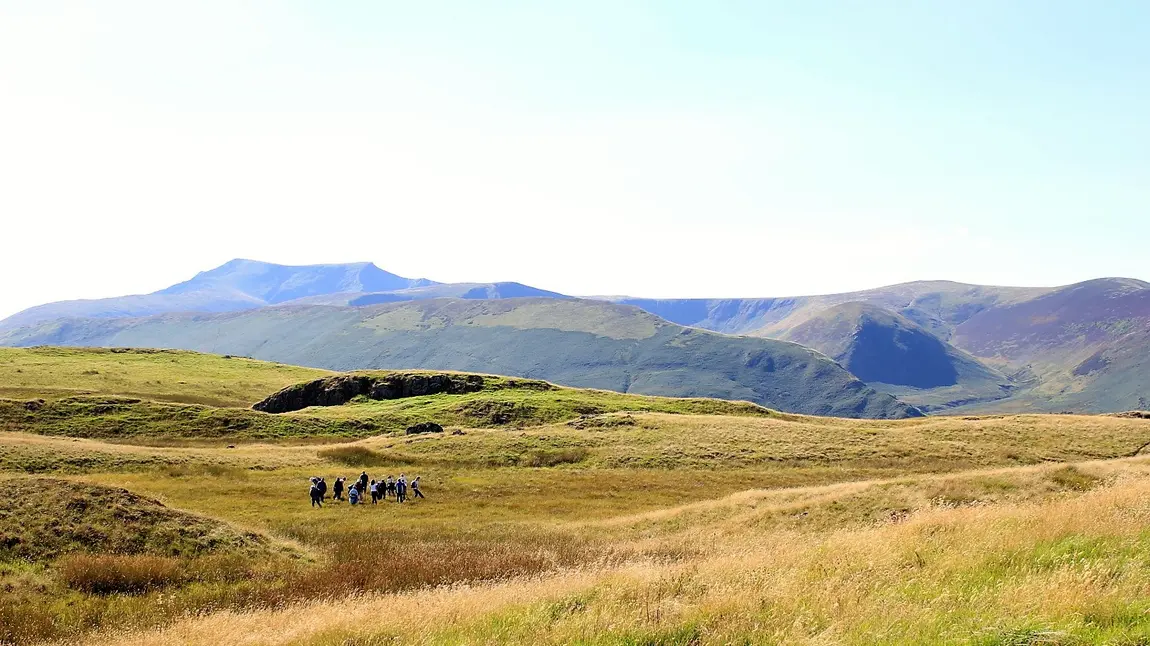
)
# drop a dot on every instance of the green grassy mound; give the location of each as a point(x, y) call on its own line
point(135, 420)
point(42, 519)
point(502, 403)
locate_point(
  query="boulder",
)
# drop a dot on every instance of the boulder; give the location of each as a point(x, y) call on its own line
point(424, 427)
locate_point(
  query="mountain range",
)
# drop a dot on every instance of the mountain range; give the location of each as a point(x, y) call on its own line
point(896, 351)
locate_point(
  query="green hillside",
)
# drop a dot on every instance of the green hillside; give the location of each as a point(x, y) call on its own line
point(893, 354)
point(938, 306)
point(161, 375)
point(581, 343)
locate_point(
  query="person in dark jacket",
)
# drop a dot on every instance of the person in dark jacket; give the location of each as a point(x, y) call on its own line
point(401, 489)
point(316, 497)
point(415, 488)
point(322, 484)
point(337, 489)
point(363, 483)
point(391, 487)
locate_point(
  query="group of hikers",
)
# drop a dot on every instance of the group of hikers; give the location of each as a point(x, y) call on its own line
point(358, 491)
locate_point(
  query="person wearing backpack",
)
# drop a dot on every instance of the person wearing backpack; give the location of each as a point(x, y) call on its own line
point(322, 484)
point(415, 492)
point(316, 497)
point(353, 494)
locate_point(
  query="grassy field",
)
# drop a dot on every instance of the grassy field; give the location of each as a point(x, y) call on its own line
point(584, 518)
point(160, 375)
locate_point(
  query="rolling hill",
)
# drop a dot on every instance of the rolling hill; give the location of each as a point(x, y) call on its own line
point(894, 354)
point(568, 341)
point(1074, 348)
point(1080, 347)
point(937, 306)
point(937, 345)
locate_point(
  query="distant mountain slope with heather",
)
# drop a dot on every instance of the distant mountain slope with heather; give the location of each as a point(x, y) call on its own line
point(938, 306)
point(567, 341)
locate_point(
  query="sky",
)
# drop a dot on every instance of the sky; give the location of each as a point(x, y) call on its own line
point(661, 149)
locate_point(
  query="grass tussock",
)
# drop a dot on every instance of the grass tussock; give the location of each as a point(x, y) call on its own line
point(109, 574)
point(553, 458)
point(363, 457)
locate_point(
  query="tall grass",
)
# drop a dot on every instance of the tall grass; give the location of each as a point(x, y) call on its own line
point(108, 574)
point(1074, 569)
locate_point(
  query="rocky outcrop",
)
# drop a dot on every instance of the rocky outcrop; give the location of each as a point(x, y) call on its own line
point(340, 389)
point(424, 427)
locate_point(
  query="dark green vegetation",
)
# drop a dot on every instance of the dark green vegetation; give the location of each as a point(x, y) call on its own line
point(590, 344)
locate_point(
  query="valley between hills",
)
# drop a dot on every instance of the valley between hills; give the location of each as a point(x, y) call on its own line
point(931, 347)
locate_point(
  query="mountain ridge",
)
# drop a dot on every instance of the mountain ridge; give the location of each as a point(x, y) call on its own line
point(1073, 347)
point(568, 341)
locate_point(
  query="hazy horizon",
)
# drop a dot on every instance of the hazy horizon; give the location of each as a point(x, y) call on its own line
point(646, 149)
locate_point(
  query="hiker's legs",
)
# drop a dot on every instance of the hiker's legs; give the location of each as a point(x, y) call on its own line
point(418, 493)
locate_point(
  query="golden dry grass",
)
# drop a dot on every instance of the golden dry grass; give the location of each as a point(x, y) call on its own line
point(621, 526)
point(1064, 567)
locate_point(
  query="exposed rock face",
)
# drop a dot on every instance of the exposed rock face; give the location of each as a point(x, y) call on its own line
point(340, 389)
point(424, 427)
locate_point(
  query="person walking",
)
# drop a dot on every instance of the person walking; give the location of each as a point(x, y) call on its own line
point(374, 488)
point(363, 483)
point(391, 488)
point(415, 492)
point(337, 489)
point(316, 497)
point(322, 489)
point(401, 489)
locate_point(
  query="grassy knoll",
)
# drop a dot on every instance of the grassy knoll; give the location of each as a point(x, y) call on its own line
point(162, 375)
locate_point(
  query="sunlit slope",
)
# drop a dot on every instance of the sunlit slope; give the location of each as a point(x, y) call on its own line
point(170, 375)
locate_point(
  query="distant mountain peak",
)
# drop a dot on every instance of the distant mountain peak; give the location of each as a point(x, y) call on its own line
point(238, 284)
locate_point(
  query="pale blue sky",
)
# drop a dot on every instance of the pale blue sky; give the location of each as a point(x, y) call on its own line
point(655, 149)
